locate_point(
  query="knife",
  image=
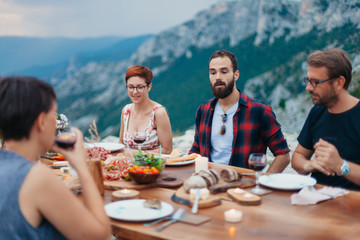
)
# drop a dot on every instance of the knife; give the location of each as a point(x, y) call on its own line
point(180, 200)
point(224, 187)
point(177, 156)
point(196, 202)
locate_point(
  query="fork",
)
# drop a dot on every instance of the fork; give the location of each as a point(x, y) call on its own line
point(164, 218)
point(176, 217)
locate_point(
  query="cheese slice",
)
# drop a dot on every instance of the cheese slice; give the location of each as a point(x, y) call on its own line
point(61, 163)
point(204, 193)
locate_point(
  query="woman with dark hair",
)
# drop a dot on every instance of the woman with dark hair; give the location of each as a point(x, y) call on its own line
point(34, 203)
point(144, 115)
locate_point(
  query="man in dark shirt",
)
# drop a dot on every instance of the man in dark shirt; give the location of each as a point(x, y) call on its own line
point(331, 132)
point(232, 125)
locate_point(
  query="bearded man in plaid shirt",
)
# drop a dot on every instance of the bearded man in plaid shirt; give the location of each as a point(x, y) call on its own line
point(232, 125)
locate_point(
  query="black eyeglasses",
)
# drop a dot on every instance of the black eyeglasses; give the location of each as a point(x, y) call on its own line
point(223, 127)
point(139, 88)
point(314, 83)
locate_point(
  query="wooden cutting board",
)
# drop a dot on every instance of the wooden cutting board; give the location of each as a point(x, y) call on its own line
point(224, 186)
point(162, 181)
point(244, 198)
point(181, 196)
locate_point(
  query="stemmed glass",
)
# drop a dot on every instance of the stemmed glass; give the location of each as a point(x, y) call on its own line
point(65, 138)
point(139, 138)
point(257, 162)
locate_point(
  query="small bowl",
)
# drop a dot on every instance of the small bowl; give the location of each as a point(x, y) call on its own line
point(143, 178)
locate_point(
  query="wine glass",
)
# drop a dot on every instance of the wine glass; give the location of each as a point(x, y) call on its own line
point(257, 162)
point(139, 138)
point(65, 138)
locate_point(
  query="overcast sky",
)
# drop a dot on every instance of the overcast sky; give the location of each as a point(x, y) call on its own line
point(92, 18)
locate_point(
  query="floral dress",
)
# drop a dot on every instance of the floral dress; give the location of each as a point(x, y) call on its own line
point(152, 139)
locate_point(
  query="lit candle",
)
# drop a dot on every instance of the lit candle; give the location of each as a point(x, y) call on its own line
point(232, 232)
point(238, 191)
point(233, 215)
point(124, 194)
point(248, 195)
point(201, 163)
point(125, 191)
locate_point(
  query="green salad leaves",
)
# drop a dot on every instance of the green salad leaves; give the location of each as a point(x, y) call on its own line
point(148, 159)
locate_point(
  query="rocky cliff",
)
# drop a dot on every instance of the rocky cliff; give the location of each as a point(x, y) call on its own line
point(270, 38)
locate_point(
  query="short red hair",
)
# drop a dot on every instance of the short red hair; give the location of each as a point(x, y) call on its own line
point(139, 71)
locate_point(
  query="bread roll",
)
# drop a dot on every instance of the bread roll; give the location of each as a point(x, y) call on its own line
point(202, 179)
point(215, 174)
point(152, 203)
point(194, 181)
point(208, 177)
point(230, 175)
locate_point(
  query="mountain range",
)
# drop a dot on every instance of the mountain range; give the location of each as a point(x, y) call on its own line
point(271, 39)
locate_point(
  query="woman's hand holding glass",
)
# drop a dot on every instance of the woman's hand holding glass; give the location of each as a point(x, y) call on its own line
point(76, 154)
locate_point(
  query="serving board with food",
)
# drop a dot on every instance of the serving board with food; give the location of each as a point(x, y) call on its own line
point(181, 196)
point(53, 157)
point(210, 183)
point(162, 181)
point(146, 171)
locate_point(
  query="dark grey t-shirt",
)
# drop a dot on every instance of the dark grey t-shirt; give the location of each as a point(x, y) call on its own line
point(342, 130)
point(13, 225)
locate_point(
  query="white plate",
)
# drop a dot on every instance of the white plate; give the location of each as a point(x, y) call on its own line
point(107, 145)
point(180, 163)
point(286, 181)
point(134, 210)
point(162, 155)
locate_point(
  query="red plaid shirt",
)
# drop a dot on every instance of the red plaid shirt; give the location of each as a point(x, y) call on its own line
point(254, 128)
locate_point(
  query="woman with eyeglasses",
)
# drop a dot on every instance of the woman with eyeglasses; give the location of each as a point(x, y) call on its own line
point(144, 115)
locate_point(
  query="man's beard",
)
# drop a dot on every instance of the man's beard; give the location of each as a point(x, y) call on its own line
point(328, 100)
point(222, 92)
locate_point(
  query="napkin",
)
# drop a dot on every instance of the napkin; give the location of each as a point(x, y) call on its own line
point(309, 195)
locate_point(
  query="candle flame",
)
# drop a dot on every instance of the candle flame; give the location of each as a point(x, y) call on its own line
point(232, 232)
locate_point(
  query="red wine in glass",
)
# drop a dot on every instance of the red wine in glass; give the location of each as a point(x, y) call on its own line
point(66, 139)
point(257, 166)
point(139, 138)
point(139, 141)
point(257, 161)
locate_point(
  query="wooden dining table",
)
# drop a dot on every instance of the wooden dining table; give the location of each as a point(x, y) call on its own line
point(274, 218)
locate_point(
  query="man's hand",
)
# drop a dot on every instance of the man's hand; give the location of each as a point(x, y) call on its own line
point(313, 166)
point(327, 158)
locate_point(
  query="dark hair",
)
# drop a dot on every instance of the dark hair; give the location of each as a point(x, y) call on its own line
point(336, 61)
point(22, 99)
point(140, 71)
point(224, 53)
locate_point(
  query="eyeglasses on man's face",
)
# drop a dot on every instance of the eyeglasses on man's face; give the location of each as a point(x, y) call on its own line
point(223, 127)
point(139, 88)
point(315, 82)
